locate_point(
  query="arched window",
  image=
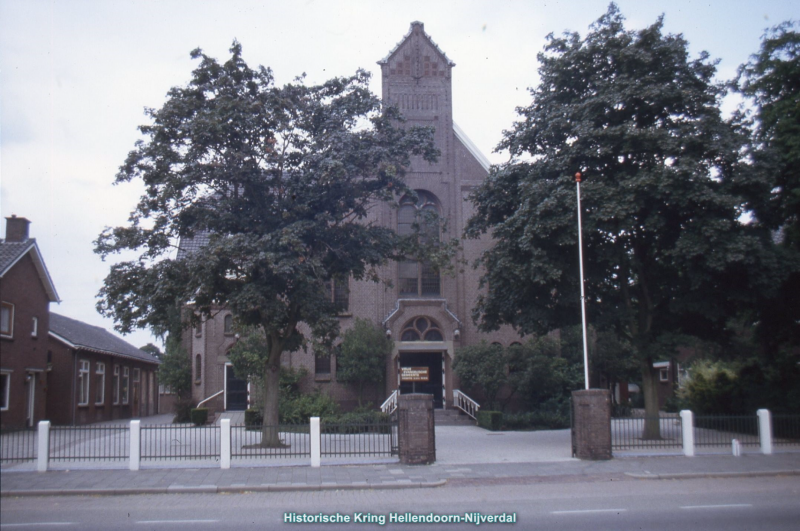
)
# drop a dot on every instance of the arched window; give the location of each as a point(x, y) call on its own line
point(421, 329)
point(228, 327)
point(419, 278)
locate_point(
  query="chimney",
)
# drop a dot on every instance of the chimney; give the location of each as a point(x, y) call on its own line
point(16, 229)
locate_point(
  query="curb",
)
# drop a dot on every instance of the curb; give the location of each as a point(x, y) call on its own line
point(210, 489)
point(700, 475)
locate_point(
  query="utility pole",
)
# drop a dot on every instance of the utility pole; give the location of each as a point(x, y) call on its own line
point(583, 296)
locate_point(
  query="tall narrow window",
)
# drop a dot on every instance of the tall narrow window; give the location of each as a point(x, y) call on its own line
point(35, 327)
point(419, 278)
point(115, 388)
point(228, 324)
point(198, 369)
point(100, 384)
point(83, 382)
point(6, 319)
point(322, 364)
point(126, 378)
point(339, 292)
point(5, 388)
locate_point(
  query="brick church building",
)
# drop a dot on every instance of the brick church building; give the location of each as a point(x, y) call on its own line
point(426, 314)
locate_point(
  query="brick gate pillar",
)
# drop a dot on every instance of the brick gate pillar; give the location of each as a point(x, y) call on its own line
point(591, 423)
point(415, 437)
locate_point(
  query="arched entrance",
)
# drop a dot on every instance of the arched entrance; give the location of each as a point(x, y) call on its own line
point(422, 369)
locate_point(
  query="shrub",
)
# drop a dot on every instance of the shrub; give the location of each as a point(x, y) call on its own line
point(490, 420)
point(183, 411)
point(299, 409)
point(199, 416)
point(253, 417)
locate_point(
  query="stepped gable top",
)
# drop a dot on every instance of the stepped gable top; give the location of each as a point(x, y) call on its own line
point(79, 335)
point(12, 252)
point(421, 26)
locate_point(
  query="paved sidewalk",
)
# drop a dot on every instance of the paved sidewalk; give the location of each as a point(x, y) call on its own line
point(387, 476)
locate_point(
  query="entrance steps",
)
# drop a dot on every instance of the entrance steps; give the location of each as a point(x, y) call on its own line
point(451, 417)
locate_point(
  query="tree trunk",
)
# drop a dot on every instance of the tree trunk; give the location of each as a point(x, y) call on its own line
point(269, 428)
point(652, 428)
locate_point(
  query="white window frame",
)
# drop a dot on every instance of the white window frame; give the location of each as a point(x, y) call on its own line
point(137, 375)
point(663, 374)
point(35, 327)
point(6, 400)
point(83, 382)
point(126, 385)
point(116, 385)
point(100, 370)
point(8, 307)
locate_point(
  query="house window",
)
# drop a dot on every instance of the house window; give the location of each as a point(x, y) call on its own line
point(663, 374)
point(198, 369)
point(35, 327)
point(126, 377)
point(198, 330)
point(115, 388)
point(419, 278)
point(6, 319)
point(421, 329)
point(339, 292)
point(322, 364)
point(5, 388)
point(83, 382)
point(228, 324)
point(136, 375)
point(99, 384)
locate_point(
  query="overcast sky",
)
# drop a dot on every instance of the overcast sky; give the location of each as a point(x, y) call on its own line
point(76, 75)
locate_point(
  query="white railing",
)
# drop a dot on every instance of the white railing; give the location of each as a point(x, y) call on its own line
point(390, 404)
point(215, 395)
point(465, 403)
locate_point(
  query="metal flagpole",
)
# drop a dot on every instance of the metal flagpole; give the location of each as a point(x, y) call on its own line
point(583, 296)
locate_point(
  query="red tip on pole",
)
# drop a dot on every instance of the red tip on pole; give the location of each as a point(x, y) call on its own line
point(578, 177)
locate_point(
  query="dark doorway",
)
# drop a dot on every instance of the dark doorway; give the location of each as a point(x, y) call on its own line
point(432, 360)
point(235, 391)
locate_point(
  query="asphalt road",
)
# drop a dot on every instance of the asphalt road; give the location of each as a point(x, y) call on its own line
point(730, 504)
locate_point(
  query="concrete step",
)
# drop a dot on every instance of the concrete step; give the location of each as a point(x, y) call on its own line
point(451, 417)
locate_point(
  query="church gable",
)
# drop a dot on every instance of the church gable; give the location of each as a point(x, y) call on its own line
point(417, 56)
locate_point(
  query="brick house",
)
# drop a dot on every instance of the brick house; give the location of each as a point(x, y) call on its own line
point(26, 291)
point(97, 376)
point(426, 314)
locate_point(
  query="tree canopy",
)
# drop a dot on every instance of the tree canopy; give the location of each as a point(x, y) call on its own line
point(274, 185)
point(361, 356)
point(666, 253)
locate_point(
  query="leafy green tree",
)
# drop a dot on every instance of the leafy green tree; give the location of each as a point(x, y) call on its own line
point(770, 80)
point(666, 254)
point(175, 372)
point(152, 350)
point(280, 182)
point(482, 366)
point(361, 357)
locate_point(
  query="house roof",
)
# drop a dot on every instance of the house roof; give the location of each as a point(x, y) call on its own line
point(79, 335)
point(12, 252)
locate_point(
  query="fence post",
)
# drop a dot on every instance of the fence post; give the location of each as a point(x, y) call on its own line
point(43, 457)
point(687, 430)
point(315, 442)
point(765, 430)
point(136, 440)
point(225, 444)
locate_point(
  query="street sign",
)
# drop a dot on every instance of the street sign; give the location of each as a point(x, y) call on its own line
point(414, 374)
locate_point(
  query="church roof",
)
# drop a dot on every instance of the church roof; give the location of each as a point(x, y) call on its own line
point(407, 36)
